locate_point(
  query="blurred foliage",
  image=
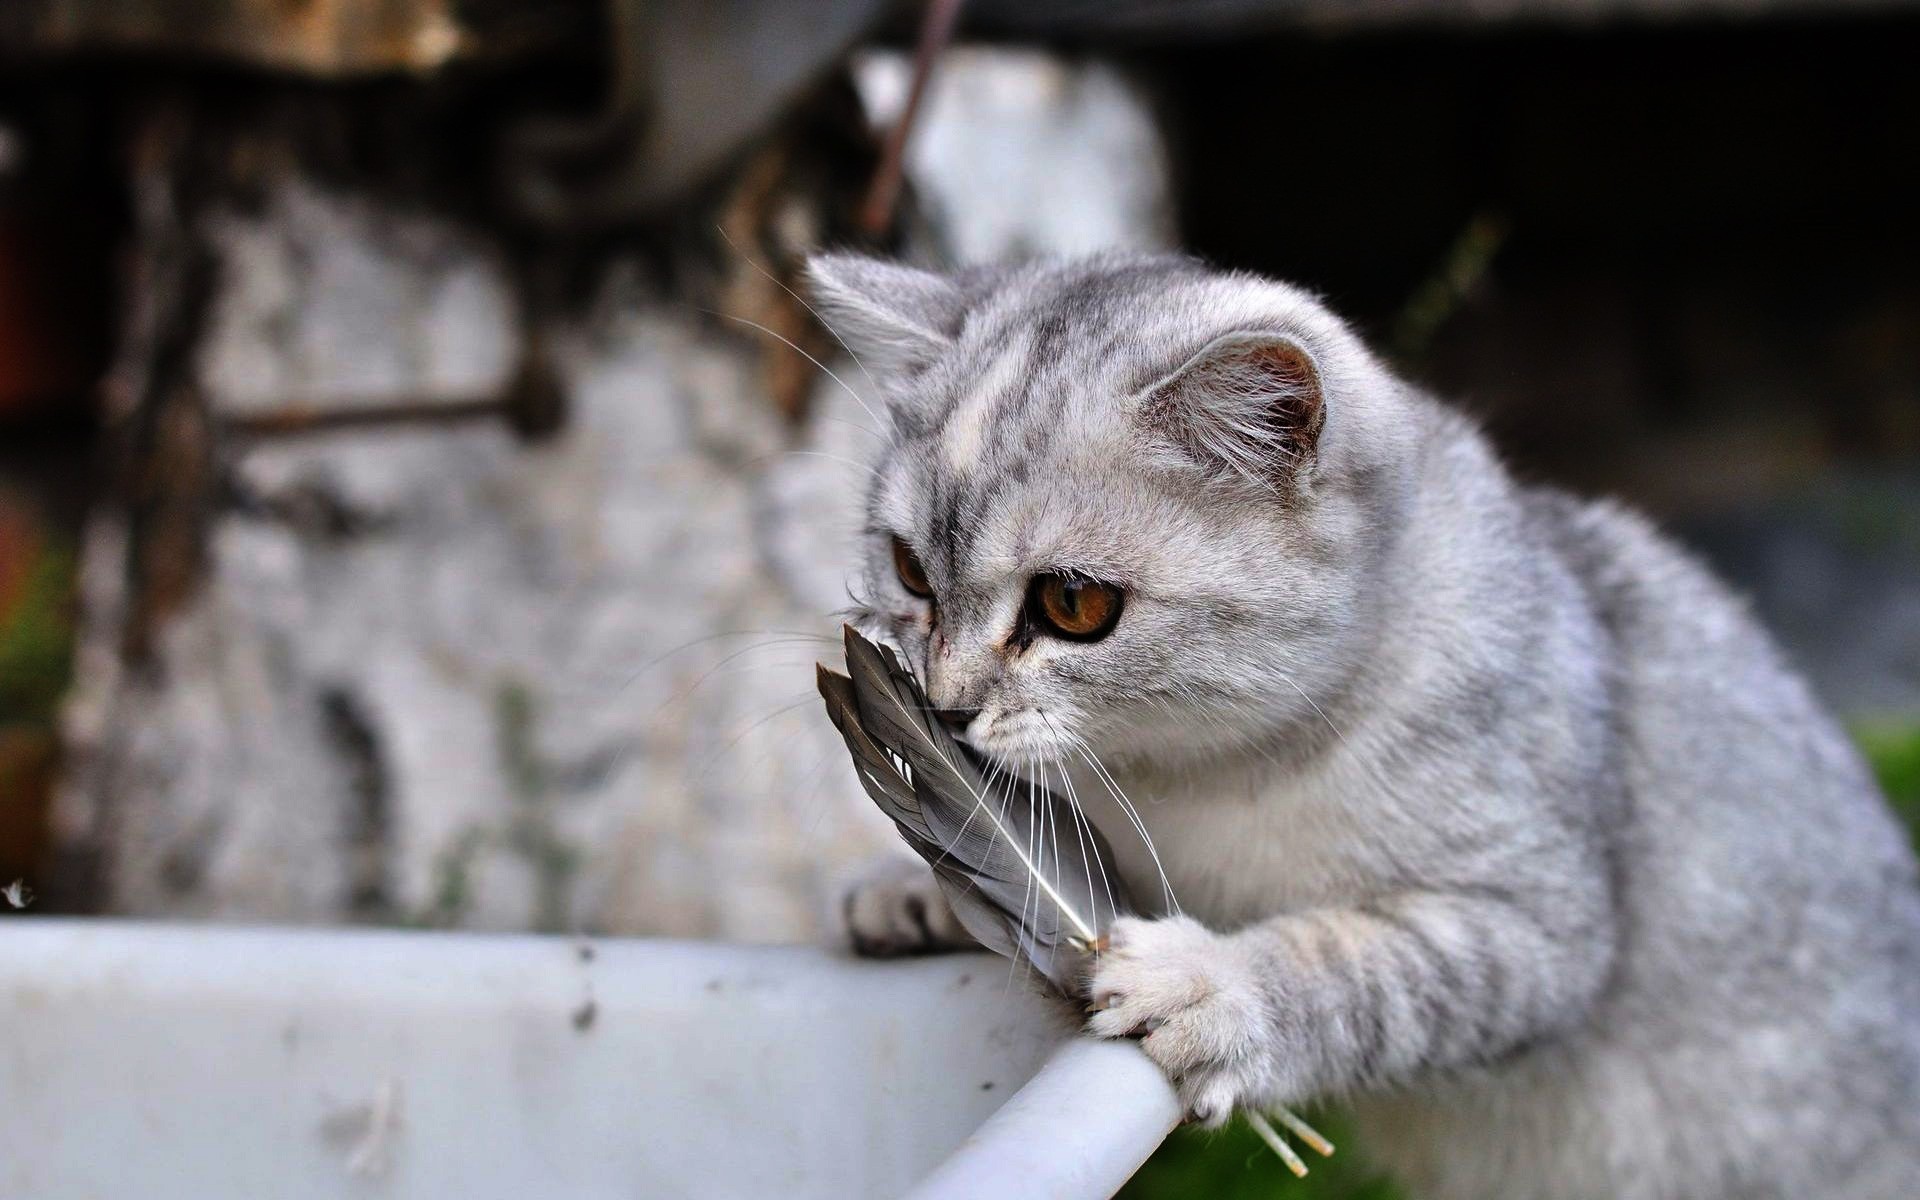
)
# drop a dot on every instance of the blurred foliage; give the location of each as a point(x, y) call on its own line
point(1893, 747)
point(1234, 1164)
point(36, 652)
point(36, 638)
point(1874, 516)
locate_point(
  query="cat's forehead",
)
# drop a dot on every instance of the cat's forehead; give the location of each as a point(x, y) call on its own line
point(1019, 442)
point(999, 489)
point(1023, 387)
point(1017, 411)
point(1015, 416)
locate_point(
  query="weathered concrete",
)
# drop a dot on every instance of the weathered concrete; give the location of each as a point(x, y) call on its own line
point(430, 672)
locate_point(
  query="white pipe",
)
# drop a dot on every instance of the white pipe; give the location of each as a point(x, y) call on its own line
point(1077, 1131)
point(223, 1062)
point(226, 1064)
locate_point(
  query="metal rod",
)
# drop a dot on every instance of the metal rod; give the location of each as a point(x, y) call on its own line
point(883, 195)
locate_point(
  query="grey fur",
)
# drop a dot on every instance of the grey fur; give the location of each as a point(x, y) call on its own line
point(1487, 808)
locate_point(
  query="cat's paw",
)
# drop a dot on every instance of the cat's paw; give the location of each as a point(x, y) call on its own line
point(896, 909)
point(1193, 1000)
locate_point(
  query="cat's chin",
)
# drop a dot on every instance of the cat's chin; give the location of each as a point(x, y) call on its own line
point(1022, 741)
point(1028, 761)
point(1027, 756)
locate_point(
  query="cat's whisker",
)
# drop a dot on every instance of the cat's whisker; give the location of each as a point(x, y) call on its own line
point(1204, 707)
point(714, 761)
point(946, 750)
point(1089, 848)
point(1036, 818)
point(798, 349)
point(986, 789)
point(774, 639)
point(1113, 787)
point(811, 310)
point(841, 459)
point(1019, 962)
point(1367, 766)
point(681, 695)
point(812, 783)
point(1080, 816)
point(720, 756)
point(1051, 821)
point(1283, 677)
point(831, 419)
point(683, 647)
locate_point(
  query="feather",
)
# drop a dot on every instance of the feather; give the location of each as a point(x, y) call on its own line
point(1024, 871)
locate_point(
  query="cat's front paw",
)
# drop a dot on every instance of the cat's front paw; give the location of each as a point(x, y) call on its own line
point(1194, 1002)
point(896, 908)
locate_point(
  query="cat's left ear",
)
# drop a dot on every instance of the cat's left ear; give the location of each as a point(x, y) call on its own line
point(894, 318)
point(1249, 405)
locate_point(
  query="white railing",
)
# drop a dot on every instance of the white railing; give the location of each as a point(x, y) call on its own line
point(215, 1063)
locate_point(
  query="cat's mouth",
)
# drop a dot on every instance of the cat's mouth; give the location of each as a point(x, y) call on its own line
point(1024, 740)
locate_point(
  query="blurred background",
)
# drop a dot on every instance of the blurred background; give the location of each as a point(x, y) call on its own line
point(420, 490)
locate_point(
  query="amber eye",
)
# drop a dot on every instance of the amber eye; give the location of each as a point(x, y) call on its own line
point(1071, 607)
point(913, 576)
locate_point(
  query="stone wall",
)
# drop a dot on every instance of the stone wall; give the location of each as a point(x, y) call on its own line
point(375, 648)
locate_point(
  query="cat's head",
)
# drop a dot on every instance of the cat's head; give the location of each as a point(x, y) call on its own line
point(1122, 502)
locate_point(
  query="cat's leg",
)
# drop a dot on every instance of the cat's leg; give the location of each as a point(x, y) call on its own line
point(1322, 1002)
point(896, 908)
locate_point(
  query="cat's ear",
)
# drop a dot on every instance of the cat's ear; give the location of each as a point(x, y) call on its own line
point(894, 318)
point(1248, 405)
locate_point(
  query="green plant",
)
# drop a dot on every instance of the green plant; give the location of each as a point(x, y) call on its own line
point(36, 639)
point(1233, 1164)
point(1893, 749)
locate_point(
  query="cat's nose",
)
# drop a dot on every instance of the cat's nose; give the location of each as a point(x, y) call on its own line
point(956, 719)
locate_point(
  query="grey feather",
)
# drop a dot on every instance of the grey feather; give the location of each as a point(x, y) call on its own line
point(1021, 867)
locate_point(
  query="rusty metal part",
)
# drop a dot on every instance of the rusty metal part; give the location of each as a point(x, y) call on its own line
point(297, 419)
point(29, 761)
point(316, 37)
point(533, 405)
point(936, 31)
point(158, 423)
point(797, 191)
point(760, 282)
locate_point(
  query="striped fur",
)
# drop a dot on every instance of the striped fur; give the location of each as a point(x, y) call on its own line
point(1482, 806)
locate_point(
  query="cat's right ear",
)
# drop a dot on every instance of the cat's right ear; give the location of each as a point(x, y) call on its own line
point(895, 319)
point(1248, 405)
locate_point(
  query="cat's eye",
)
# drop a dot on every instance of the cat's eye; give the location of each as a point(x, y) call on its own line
point(913, 576)
point(1074, 607)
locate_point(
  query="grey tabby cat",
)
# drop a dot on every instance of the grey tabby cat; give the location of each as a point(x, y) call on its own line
point(1485, 808)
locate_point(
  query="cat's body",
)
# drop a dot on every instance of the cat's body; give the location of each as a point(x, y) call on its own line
point(1488, 809)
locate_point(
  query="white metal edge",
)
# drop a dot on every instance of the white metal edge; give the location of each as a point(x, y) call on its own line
point(1077, 1131)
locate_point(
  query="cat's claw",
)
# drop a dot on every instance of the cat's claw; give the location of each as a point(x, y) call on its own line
point(1185, 994)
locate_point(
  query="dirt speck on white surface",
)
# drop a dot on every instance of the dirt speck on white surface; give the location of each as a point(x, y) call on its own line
point(367, 1133)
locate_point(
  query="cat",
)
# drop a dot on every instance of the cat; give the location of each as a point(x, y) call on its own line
point(1478, 807)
